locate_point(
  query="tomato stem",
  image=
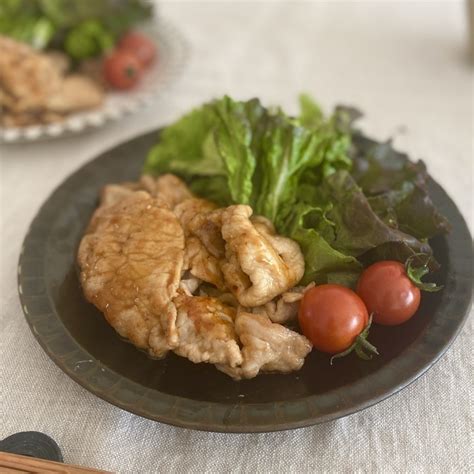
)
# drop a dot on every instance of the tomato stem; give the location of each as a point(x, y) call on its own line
point(367, 345)
point(130, 71)
point(415, 274)
point(343, 354)
point(361, 346)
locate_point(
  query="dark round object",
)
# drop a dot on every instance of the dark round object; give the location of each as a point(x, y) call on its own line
point(33, 444)
point(77, 338)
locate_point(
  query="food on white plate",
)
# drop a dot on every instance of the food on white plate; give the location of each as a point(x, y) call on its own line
point(27, 78)
point(80, 29)
point(76, 92)
point(35, 89)
point(124, 66)
point(244, 240)
point(140, 46)
point(60, 57)
point(122, 69)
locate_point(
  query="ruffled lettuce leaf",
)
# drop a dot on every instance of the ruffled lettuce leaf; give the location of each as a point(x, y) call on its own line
point(233, 136)
point(396, 188)
point(356, 227)
point(346, 199)
point(262, 153)
point(311, 114)
point(339, 230)
point(187, 148)
point(323, 263)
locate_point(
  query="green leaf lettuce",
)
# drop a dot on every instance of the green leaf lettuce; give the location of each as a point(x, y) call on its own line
point(345, 199)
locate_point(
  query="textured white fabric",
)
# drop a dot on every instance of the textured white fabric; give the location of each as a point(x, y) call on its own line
point(402, 63)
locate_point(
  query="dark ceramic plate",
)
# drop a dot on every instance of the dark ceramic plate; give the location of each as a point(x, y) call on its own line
point(175, 391)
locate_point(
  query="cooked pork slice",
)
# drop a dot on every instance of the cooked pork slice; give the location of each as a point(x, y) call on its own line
point(278, 310)
point(197, 258)
point(18, 119)
point(26, 75)
point(258, 264)
point(225, 298)
point(267, 346)
point(207, 227)
point(167, 187)
point(205, 331)
point(189, 209)
point(76, 92)
point(284, 308)
point(61, 61)
point(113, 193)
point(6, 100)
point(131, 260)
point(189, 284)
point(201, 263)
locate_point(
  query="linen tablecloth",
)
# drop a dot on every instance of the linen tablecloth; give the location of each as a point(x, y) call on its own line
point(404, 64)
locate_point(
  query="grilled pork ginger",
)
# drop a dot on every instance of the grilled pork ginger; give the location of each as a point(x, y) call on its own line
point(174, 272)
point(131, 259)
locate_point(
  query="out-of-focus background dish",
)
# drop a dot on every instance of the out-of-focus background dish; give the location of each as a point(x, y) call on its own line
point(67, 66)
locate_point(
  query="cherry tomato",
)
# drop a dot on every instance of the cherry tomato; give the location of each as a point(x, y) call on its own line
point(388, 293)
point(331, 317)
point(140, 46)
point(122, 70)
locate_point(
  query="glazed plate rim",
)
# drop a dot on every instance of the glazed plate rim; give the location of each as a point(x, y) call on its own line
point(173, 55)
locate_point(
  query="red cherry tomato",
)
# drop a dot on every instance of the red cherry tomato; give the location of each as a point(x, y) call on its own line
point(140, 46)
point(388, 293)
point(122, 70)
point(331, 317)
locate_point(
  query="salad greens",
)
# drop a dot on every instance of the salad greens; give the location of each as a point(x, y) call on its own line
point(81, 29)
point(347, 200)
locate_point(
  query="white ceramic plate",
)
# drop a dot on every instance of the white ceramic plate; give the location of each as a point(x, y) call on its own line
point(172, 54)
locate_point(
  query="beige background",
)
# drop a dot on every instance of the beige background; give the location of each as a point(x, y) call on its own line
point(404, 64)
